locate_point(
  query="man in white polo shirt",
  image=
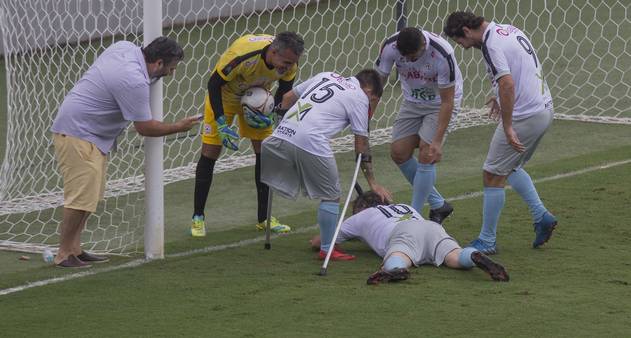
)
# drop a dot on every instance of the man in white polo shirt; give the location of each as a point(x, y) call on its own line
point(432, 90)
point(113, 92)
point(525, 109)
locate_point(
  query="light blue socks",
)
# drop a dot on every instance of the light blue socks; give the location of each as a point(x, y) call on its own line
point(522, 184)
point(493, 203)
point(408, 168)
point(327, 220)
point(423, 184)
point(394, 262)
point(464, 258)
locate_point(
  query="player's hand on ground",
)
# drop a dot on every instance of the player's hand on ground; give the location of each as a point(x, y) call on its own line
point(385, 195)
point(494, 108)
point(187, 123)
point(511, 137)
point(229, 136)
point(435, 152)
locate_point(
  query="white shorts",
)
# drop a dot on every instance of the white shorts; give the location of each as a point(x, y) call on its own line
point(425, 242)
point(289, 169)
point(502, 159)
point(418, 119)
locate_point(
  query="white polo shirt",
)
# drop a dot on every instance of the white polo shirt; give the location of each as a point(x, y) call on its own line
point(507, 50)
point(111, 93)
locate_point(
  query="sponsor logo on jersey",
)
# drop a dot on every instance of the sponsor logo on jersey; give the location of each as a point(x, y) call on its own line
point(261, 38)
point(284, 130)
point(415, 74)
point(342, 81)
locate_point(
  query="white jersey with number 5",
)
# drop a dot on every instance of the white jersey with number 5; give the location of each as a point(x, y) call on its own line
point(507, 50)
point(421, 79)
point(374, 226)
point(327, 103)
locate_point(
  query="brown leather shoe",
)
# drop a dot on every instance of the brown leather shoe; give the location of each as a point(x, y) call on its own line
point(88, 257)
point(73, 262)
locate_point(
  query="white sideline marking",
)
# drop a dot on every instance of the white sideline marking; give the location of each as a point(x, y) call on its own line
point(139, 262)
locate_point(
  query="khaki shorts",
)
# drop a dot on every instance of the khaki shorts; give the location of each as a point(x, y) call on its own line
point(83, 168)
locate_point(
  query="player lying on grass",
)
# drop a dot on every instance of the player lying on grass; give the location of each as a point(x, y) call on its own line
point(398, 233)
point(298, 155)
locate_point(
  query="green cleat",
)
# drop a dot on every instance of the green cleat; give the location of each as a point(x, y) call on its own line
point(275, 226)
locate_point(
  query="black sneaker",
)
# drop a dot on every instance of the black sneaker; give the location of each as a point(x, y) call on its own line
point(495, 270)
point(388, 276)
point(439, 215)
point(73, 262)
point(88, 257)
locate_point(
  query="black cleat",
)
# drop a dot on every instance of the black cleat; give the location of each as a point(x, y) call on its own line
point(495, 270)
point(388, 276)
point(439, 215)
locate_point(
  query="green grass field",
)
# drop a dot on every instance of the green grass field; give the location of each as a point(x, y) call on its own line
point(576, 285)
point(226, 285)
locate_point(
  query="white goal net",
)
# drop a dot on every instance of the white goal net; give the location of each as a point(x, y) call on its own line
point(47, 45)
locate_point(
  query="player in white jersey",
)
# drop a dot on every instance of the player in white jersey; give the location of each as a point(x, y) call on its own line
point(298, 155)
point(398, 234)
point(525, 109)
point(432, 90)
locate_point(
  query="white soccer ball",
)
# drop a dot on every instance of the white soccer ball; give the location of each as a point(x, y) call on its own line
point(257, 99)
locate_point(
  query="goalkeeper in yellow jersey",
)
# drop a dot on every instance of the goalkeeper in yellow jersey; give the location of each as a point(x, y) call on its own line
point(251, 61)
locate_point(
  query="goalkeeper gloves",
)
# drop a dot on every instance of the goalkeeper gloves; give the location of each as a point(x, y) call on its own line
point(229, 136)
point(256, 119)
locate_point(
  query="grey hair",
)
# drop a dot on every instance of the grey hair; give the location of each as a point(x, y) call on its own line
point(288, 40)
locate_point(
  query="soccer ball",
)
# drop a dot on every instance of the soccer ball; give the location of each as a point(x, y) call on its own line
point(258, 105)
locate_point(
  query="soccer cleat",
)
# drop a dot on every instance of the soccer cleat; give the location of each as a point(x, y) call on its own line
point(275, 226)
point(484, 247)
point(543, 229)
point(198, 226)
point(336, 255)
point(394, 275)
point(495, 270)
point(438, 215)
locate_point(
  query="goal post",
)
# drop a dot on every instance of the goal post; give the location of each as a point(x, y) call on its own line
point(47, 45)
point(154, 181)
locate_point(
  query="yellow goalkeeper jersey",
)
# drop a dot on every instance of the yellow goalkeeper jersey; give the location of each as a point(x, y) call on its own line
point(243, 66)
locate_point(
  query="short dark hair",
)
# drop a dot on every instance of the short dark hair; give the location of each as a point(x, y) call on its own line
point(289, 40)
point(367, 200)
point(457, 20)
point(163, 48)
point(370, 78)
point(410, 40)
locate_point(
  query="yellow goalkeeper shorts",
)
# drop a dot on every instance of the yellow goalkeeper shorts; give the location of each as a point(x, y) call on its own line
point(210, 134)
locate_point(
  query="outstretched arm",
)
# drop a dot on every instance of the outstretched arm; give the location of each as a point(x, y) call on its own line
point(362, 147)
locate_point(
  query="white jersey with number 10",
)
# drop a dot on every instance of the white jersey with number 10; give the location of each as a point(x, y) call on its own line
point(327, 103)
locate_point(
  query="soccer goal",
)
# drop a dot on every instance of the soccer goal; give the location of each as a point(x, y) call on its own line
point(47, 45)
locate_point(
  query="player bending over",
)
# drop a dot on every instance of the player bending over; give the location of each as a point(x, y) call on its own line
point(251, 61)
point(398, 233)
point(298, 155)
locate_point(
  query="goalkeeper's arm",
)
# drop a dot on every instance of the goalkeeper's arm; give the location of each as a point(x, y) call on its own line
point(214, 94)
point(229, 137)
